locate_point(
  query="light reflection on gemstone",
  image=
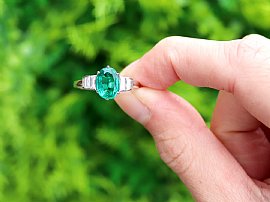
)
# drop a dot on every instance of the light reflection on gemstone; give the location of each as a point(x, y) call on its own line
point(107, 83)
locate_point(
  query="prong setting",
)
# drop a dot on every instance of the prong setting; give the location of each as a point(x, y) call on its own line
point(107, 83)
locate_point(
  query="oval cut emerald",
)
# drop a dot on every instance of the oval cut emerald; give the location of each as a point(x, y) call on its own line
point(107, 83)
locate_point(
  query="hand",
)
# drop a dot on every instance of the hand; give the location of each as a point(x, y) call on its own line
point(231, 160)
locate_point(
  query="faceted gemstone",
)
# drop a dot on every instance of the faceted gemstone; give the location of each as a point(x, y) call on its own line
point(107, 83)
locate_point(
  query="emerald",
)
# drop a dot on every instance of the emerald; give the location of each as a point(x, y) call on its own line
point(107, 83)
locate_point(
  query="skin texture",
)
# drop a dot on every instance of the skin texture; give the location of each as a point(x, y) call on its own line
point(231, 160)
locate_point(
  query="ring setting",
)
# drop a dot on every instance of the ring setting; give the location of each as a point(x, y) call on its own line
point(107, 83)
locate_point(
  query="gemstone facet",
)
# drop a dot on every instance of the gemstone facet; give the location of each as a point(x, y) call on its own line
point(107, 83)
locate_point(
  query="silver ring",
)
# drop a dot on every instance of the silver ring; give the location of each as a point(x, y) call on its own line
point(107, 83)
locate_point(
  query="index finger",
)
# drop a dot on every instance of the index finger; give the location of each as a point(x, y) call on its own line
point(196, 61)
point(241, 67)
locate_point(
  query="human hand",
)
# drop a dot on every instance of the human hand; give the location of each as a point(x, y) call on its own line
point(231, 160)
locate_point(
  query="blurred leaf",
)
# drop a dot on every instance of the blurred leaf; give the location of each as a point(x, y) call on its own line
point(62, 144)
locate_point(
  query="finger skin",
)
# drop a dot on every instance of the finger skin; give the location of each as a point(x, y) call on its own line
point(242, 135)
point(241, 67)
point(189, 148)
point(195, 61)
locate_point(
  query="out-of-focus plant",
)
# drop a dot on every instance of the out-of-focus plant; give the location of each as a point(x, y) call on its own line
point(62, 144)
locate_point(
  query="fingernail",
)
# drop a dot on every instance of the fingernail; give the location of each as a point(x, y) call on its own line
point(133, 106)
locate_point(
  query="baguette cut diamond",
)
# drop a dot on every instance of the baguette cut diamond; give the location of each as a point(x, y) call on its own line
point(107, 83)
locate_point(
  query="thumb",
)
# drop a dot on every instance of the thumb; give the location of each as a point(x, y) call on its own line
point(187, 145)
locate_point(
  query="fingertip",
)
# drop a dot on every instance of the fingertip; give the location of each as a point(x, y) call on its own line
point(130, 104)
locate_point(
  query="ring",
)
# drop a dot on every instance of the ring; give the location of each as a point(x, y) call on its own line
point(107, 83)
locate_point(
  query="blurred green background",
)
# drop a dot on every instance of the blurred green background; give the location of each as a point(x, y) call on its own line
point(62, 144)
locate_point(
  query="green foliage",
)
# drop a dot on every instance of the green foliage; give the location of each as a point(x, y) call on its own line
point(62, 144)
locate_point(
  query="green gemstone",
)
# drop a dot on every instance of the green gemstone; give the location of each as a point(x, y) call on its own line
point(107, 83)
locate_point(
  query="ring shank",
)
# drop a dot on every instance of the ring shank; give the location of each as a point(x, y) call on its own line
point(78, 84)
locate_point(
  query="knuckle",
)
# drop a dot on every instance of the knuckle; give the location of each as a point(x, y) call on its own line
point(168, 41)
point(247, 57)
point(177, 157)
point(253, 37)
point(168, 47)
point(252, 49)
point(168, 57)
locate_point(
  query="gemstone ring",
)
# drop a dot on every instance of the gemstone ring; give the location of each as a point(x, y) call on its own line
point(107, 83)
